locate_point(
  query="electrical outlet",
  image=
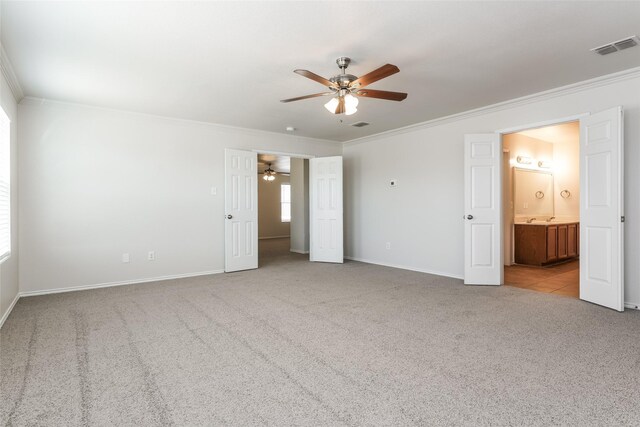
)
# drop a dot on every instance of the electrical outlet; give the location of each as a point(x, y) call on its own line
point(125, 258)
point(151, 256)
point(387, 245)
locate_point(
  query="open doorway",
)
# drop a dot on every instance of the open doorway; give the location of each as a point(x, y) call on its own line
point(316, 225)
point(542, 209)
point(600, 236)
point(283, 206)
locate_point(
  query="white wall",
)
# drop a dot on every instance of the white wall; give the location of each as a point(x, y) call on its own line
point(300, 205)
point(97, 183)
point(269, 209)
point(422, 217)
point(9, 268)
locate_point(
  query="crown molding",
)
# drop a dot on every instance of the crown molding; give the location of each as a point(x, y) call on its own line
point(607, 79)
point(36, 101)
point(10, 75)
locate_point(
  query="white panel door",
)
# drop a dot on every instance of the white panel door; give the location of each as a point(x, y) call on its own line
point(601, 209)
point(483, 210)
point(325, 210)
point(241, 210)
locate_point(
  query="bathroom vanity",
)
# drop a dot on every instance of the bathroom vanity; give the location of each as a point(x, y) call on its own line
point(542, 243)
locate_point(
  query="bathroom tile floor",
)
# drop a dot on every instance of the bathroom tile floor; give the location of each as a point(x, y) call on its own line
point(561, 279)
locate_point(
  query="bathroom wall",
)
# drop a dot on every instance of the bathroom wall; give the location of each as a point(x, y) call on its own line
point(566, 170)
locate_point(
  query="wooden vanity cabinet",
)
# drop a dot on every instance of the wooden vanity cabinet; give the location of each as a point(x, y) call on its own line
point(542, 244)
point(562, 241)
point(573, 243)
point(550, 234)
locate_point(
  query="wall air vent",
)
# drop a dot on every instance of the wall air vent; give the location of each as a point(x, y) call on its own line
point(360, 124)
point(616, 46)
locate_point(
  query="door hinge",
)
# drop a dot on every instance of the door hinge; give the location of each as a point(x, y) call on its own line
point(622, 218)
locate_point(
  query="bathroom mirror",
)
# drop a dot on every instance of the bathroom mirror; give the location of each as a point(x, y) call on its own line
point(533, 193)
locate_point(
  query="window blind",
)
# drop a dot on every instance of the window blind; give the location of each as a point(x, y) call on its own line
point(5, 186)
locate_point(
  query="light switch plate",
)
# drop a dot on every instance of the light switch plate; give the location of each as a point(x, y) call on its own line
point(214, 191)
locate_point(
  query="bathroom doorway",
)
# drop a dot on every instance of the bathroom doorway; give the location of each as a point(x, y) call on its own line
point(541, 218)
point(601, 218)
point(541, 184)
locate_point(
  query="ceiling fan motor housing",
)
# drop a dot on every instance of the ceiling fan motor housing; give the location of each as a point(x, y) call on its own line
point(343, 80)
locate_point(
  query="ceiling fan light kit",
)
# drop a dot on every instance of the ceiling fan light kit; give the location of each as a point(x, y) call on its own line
point(269, 174)
point(345, 88)
point(343, 103)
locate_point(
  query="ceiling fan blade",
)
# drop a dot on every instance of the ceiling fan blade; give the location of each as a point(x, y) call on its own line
point(307, 96)
point(378, 74)
point(315, 77)
point(382, 94)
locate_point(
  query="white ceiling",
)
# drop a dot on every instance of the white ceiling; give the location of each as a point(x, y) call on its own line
point(557, 133)
point(231, 62)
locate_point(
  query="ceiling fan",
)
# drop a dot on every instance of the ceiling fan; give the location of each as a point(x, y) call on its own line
point(348, 87)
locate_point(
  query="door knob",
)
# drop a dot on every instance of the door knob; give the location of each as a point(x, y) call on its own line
point(469, 216)
point(229, 216)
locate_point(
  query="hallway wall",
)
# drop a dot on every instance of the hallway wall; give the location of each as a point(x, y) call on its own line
point(269, 219)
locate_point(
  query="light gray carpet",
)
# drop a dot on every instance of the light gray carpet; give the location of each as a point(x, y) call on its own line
point(299, 343)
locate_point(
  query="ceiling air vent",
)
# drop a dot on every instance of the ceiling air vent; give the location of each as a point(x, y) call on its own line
point(626, 43)
point(605, 50)
point(360, 124)
point(616, 46)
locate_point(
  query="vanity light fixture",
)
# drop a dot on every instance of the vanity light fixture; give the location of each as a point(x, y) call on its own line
point(544, 164)
point(524, 160)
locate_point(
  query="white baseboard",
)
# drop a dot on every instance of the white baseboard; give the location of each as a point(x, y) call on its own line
point(111, 284)
point(273, 237)
point(298, 251)
point(404, 267)
point(629, 305)
point(8, 312)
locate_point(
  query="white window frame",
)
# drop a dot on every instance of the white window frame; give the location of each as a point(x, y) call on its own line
point(283, 202)
point(5, 186)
